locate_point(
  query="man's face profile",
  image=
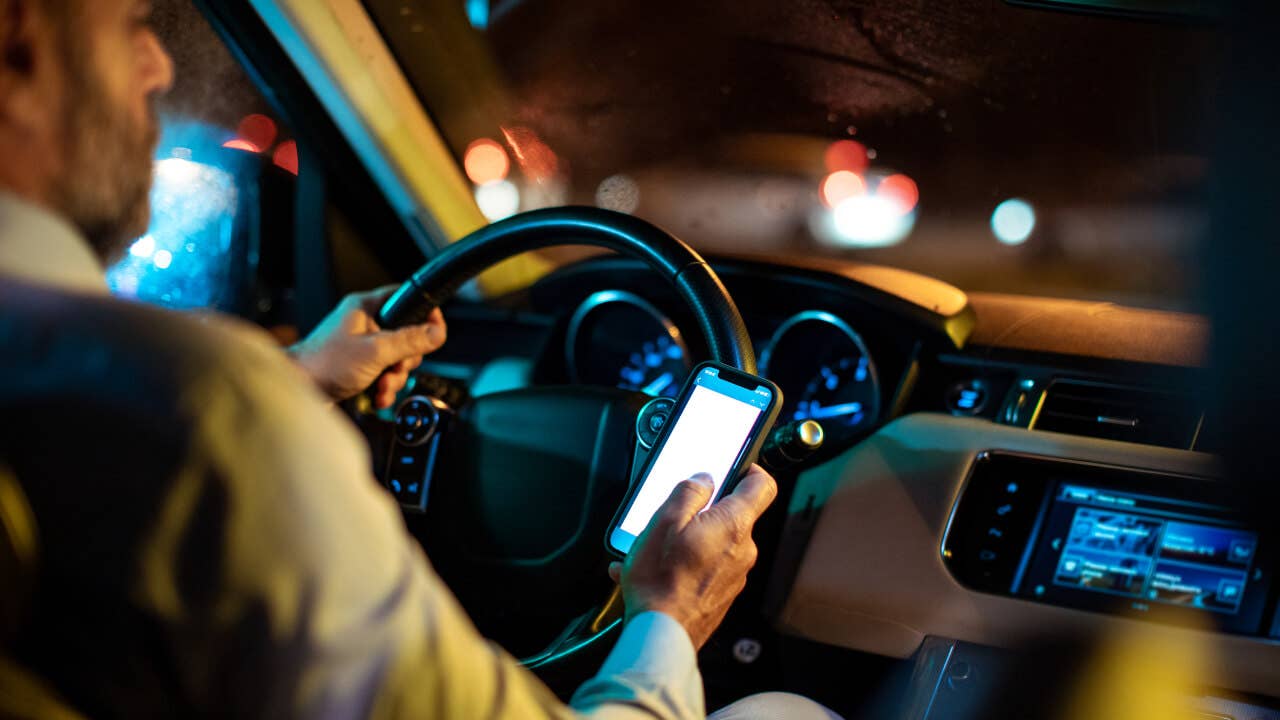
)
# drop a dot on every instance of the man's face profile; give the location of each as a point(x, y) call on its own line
point(99, 66)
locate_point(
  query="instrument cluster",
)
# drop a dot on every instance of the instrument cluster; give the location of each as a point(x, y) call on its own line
point(820, 361)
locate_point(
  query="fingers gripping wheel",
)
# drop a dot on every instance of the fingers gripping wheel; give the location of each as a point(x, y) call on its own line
point(693, 278)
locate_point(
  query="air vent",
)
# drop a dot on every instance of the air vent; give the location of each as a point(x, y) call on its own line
point(1113, 412)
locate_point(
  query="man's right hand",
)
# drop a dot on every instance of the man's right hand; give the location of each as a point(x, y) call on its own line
point(691, 566)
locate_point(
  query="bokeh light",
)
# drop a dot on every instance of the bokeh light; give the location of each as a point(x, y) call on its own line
point(478, 13)
point(144, 247)
point(1013, 221)
point(485, 161)
point(848, 155)
point(286, 156)
point(257, 130)
point(901, 190)
point(241, 144)
point(871, 221)
point(840, 186)
point(618, 192)
point(184, 260)
point(498, 200)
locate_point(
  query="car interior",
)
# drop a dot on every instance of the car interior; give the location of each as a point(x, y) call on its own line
point(997, 254)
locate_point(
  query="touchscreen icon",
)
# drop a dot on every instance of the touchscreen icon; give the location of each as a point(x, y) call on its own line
point(1070, 567)
point(1229, 590)
point(1241, 550)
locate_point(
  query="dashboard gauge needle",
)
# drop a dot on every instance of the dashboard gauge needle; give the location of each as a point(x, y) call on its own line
point(818, 413)
point(660, 383)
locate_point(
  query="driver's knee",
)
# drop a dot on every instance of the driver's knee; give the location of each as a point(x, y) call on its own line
point(774, 706)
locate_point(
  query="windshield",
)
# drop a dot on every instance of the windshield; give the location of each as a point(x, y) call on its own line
point(996, 147)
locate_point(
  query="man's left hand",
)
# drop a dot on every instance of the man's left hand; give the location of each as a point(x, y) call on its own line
point(348, 352)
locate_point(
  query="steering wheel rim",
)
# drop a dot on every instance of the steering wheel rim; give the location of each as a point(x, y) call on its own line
point(698, 285)
point(694, 280)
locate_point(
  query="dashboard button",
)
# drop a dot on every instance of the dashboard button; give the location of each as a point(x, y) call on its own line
point(967, 398)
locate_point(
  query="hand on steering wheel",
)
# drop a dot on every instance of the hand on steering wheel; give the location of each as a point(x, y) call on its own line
point(348, 351)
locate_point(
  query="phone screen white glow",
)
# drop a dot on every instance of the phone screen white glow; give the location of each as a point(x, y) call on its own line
point(709, 435)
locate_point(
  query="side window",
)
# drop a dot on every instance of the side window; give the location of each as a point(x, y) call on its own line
point(222, 197)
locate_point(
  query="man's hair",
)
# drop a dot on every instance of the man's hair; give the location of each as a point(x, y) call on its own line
point(60, 9)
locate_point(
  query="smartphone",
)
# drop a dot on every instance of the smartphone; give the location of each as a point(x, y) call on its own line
point(719, 421)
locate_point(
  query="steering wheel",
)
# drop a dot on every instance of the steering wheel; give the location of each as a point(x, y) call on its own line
point(523, 483)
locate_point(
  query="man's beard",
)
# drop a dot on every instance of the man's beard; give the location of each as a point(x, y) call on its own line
point(106, 179)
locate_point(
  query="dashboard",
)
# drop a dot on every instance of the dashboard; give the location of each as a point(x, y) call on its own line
point(939, 408)
point(824, 338)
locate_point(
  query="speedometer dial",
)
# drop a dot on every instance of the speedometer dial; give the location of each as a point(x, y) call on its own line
point(618, 338)
point(825, 372)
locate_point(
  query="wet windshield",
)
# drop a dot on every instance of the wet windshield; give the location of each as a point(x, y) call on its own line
point(997, 147)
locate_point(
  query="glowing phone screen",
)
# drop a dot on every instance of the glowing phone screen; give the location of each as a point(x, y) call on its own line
point(708, 436)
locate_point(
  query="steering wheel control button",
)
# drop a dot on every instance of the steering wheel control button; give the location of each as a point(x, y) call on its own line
point(967, 398)
point(993, 521)
point(416, 430)
point(407, 480)
point(652, 418)
point(416, 421)
point(747, 650)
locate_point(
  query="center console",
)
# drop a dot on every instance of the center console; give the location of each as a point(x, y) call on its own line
point(1162, 547)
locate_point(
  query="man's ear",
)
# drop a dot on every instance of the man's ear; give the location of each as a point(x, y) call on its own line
point(16, 51)
point(20, 57)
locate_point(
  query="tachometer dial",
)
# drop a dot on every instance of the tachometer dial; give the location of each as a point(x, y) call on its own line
point(825, 372)
point(620, 339)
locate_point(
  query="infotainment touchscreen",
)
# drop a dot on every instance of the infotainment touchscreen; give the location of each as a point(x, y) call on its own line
point(1152, 549)
point(1159, 554)
point(1139, 543)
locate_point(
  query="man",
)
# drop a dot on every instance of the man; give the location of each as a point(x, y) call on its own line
point(212, 542)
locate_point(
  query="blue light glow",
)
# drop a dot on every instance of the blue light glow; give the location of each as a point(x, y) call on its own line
point(478, 13)
point(1013, 221)
point(184, 259)
point(813, 410)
